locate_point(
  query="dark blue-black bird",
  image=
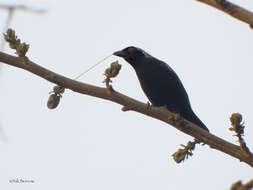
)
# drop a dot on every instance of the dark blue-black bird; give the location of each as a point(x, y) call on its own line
point(160, 83)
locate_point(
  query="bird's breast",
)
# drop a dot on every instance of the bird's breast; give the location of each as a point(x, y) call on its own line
point(162, 86)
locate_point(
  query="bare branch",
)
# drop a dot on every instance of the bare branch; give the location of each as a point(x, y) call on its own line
point(231, 9)
point(239, 186)
point(23, 8)
point(155, 112)
point(6, 26)
point(248, 185)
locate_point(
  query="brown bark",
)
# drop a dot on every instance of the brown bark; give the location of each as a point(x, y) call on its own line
point(129, 104)
point(231, 9)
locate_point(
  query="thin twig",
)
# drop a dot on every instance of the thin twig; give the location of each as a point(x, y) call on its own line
point(11, 9)
point(23, 8)
point(6, 26)
point(231, 9)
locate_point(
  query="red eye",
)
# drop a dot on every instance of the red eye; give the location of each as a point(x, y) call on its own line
point(130, 50)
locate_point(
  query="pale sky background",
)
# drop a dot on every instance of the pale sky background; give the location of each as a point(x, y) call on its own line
point(89, 143)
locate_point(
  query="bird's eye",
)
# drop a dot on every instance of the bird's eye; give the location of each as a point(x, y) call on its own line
point(134, 52)
point(130, 50)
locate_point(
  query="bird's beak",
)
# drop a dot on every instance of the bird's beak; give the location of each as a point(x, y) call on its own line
point(120, 53)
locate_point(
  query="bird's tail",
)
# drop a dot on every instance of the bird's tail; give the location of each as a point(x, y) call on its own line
point(194, 119)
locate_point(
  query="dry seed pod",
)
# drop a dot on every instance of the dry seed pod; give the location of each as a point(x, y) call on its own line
point(53, 101)
point(54, 98)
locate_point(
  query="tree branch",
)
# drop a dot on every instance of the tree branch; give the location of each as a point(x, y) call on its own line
point(231, 9)
point(22, 7)
point(239, 186)
point(155, 112)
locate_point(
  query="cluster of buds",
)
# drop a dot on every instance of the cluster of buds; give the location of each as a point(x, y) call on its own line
point(15, 43)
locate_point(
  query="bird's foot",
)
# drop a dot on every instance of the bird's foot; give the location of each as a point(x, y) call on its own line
point(148, 105)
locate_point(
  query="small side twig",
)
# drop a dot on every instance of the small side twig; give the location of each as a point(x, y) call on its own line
point(126, 108)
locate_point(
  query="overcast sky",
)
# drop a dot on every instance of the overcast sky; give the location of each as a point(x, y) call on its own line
point(89, 143)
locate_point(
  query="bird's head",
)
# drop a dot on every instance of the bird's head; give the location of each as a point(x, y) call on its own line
point(132, 55)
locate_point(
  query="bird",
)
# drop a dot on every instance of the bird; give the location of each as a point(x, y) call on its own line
point(160, 83)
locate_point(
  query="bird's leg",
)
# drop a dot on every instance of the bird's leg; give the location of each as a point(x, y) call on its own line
point(149, 105)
